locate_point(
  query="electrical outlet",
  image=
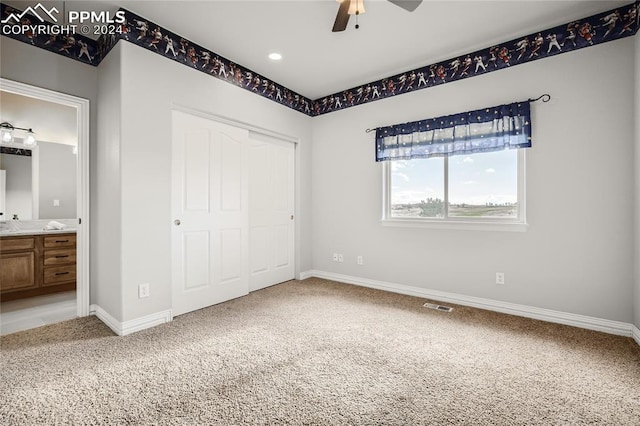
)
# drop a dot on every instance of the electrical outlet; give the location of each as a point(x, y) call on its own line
point(359, 260)
point(340, 257)
point(143, 290)
point(500, 278)
point(335, 257)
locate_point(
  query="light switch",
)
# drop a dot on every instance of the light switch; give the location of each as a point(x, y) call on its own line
point(56, 203)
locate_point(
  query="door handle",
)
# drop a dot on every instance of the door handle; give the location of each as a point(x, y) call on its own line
point(177, 222)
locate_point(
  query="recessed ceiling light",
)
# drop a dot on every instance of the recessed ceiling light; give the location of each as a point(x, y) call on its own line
point(275, 56)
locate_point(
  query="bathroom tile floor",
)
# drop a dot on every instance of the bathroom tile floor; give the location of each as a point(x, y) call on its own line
point(23, 314)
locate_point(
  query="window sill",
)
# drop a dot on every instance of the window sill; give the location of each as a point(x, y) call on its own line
point(456, 225)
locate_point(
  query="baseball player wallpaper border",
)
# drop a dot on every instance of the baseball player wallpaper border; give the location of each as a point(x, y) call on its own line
point(611, 25)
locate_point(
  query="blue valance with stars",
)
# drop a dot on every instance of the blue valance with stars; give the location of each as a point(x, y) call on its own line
point(484, 130)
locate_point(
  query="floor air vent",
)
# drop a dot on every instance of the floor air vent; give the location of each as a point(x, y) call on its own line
point(438, 307)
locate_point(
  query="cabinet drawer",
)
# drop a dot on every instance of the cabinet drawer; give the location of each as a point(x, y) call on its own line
point(17, 271)
point(59, 274)
point(64, 240)
point(13, 244)
point(59, 257)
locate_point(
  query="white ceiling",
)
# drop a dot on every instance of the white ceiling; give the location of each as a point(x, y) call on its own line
point(318, 62)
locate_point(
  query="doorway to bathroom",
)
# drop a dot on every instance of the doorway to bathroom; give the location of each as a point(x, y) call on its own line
point(45, 272)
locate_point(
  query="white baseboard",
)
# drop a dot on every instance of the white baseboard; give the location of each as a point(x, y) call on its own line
point(106, 318)
point(131, 326)
point(582, 321)
point(636, 334)
point(148, 321)
point(306, 274)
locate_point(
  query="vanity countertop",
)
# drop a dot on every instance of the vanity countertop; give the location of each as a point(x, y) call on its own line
point(23, 232)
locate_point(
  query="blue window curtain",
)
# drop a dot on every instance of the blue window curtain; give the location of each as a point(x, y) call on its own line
point(484, 130)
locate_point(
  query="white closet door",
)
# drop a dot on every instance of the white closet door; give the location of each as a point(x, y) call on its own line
point(210, 233)
point(271, 211)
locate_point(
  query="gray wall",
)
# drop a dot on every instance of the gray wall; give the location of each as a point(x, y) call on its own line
point(41, 68)
point(142, 155)
point(577, 254)
point(19, 198)
point(57, 178)
point(637, 190)
point(106, 201)
point(26, 64)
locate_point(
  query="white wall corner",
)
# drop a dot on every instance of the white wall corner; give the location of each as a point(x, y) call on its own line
point(131, 326)
point(105, 317)
point(636, 334)
point(306, 274)
point(575, 320)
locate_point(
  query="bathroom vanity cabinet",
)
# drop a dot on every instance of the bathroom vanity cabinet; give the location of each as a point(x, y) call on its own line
point(33, 265)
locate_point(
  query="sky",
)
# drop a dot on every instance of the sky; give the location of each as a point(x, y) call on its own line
point(473, 179)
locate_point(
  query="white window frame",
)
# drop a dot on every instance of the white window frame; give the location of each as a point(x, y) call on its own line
point(518, 224)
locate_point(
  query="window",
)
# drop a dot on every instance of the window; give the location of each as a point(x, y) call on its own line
point(462, 169)
point(481, 188)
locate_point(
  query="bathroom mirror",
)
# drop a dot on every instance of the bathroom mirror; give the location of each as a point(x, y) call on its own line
point(39, 183)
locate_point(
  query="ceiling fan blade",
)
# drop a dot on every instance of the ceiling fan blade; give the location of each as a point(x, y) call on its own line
point(342, 18)
point(409, 5)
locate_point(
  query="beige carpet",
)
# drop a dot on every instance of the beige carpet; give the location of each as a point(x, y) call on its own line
point(321, 353)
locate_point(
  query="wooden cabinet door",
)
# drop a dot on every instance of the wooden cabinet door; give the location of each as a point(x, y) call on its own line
point(17, 271)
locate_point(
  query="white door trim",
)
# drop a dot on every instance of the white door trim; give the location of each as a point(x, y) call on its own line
point(35, 182)
point(232, 122)
point(82, 119)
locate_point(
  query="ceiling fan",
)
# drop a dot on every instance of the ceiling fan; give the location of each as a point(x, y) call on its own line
point(356, 7)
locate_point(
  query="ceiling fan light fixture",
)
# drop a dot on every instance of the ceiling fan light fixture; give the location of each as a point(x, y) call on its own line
point(356, 7)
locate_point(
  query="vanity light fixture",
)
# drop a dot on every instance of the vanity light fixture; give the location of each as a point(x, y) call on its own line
point(31, 139)
point(6, 135)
